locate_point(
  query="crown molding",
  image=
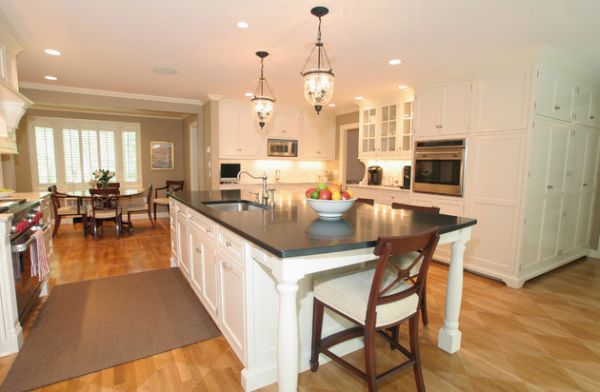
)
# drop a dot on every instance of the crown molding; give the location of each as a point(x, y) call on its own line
point(107, 93)
point(214, 97)
point(108, 111)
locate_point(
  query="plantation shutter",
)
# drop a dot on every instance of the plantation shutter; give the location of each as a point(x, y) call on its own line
point(46, 155)
point(130, 162)
point(72, 156)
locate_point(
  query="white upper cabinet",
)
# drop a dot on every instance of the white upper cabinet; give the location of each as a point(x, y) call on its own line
point(559, 98)
point(367, 138)
point(285, 125)
point(575, 160)
point(444, 110)
point(239, 134)
point(388, 129)
point(317, 137)
point(557, 160)
point(582, 106)
point(590, 168)
point(595, 109)
point(503, 101)
point(538, 159)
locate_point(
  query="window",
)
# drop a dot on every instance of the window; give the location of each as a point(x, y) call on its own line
point(46, 157)
point(68, 151)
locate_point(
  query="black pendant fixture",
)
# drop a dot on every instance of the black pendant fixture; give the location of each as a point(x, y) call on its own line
point(263, 100)
point(317, 72)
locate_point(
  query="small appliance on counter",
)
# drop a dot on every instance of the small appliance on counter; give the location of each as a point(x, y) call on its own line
point(229, 172)
point(406, 177)
point(374, 175)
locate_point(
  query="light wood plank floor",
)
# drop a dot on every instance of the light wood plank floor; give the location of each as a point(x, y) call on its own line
point(544, 337)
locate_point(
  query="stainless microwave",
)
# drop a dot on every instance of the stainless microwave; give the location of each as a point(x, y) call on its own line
point(282, 148)
point(439, 167)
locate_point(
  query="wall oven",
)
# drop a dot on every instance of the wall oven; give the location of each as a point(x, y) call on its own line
point(439, 167)
point(282, 148)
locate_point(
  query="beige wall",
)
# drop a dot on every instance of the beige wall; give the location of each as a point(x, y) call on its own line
point(343, 119)
point(152, 129)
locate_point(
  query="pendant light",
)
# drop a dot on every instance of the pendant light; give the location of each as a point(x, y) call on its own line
point(263, 100)
point(317, 71)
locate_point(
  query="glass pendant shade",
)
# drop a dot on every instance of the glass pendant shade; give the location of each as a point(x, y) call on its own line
point(263, 101)
point(317, 72)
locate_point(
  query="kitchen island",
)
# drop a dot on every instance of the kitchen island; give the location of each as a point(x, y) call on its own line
point(253, 270)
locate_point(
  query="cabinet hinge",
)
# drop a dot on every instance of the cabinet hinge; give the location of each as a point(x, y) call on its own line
point(529, 174)
point(534, 105)
point(525, 222)
point(537, 74)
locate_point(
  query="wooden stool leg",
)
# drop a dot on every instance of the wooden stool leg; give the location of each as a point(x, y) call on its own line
point(317, 328)
point(424, 305)
point(413, 327)
point(56, 225)
point(395, 333)
point(370, 334)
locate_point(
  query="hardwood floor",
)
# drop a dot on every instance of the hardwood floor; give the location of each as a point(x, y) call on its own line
point(544, 337)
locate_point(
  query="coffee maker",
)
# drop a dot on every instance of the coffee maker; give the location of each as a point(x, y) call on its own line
point(406, 177)
point(375, 175)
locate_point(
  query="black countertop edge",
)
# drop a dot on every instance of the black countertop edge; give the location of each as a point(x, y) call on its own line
point(290, 252)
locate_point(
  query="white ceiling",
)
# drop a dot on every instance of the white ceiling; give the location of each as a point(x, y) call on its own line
point(114, 45)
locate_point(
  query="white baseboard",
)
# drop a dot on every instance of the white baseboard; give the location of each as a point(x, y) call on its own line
point(594, 253)
point(12, 342)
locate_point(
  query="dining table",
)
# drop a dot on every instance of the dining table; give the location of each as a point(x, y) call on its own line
point(124, 192)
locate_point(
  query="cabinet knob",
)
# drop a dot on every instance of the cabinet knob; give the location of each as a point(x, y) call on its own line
point(591, 117)
point(584, 184)
point(556, 107)
point(227, 243)
point(226, 266)
point(199, 250)
point(208, 230)
point(550, 187)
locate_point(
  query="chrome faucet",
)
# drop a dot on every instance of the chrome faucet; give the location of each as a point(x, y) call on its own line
point(264, 178)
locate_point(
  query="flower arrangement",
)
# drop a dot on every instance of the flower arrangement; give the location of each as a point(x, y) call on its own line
point(103, 176)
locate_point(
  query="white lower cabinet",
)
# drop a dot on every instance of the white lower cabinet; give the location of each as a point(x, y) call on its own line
point(212, 259)
point(231, 293)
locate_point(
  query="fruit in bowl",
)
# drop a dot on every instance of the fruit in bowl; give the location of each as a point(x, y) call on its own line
point(329, 201)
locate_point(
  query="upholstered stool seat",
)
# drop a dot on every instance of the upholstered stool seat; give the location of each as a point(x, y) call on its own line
point(349, 294)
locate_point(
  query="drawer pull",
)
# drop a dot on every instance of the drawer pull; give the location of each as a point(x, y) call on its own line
point(226, 266)
point(228, 243)
point(208, 230)
point(584, 184)
point(550, 186)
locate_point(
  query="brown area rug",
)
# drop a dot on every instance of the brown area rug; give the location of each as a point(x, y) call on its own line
point(92, 325)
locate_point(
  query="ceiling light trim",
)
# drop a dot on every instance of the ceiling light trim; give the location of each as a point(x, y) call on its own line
point(107, 93)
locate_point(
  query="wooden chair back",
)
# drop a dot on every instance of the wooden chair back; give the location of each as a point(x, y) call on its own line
point(423, 246)
point(433, 210)
point(370, 202)
point(105, 199)
point(56, 196)
point(171, 186)
point(114, 185)
point(149, 195)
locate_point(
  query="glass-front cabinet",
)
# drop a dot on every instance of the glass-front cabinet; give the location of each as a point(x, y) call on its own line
point(386, 130)
point(367, 132)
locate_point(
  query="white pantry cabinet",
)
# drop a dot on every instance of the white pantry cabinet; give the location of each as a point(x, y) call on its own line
point(443, 110)
point(554, 95)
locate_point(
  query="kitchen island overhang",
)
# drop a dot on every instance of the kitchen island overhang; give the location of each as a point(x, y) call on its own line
point(276, 251)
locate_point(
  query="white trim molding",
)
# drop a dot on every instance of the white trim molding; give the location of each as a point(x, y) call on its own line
point(107, 93)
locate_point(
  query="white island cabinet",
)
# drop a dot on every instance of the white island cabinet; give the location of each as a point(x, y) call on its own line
point(261, 302)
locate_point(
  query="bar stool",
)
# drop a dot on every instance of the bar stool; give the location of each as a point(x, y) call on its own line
point(403, 261)
point(376, 300)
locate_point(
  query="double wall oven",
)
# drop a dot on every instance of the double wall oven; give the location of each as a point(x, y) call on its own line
point(439, 167)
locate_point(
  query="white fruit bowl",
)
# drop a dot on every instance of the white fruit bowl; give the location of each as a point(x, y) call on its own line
point(330, 209)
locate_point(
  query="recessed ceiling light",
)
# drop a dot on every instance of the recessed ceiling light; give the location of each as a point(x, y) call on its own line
point(249, 94)
point(165, 70)
point(331, 105)
point(52, 52)
point(394, 62)
point(242, 25)
point(359, 98)
point(403, 87)
point(50, 77)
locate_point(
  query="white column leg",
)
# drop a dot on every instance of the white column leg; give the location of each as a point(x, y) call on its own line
point(287, 337)
point(449, 336)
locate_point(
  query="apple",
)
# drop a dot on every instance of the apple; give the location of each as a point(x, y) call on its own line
point(309, 192)
point(325, 194)
point(346, 196)
point(315, 194)
point(321, 186)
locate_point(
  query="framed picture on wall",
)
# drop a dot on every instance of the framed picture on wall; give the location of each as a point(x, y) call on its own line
point(162, 155)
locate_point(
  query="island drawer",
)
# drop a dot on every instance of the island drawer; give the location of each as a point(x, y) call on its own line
point(230, 243)
point(206, 226)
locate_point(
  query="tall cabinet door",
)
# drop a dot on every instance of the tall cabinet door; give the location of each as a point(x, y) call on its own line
point(582, 100)
point(232, 302)
point(538, 159)
point(456, 102)
point(427, 108)
point(582, 238)
point(568, 223)
point(558, 157)
point(563, 99)
point(368, 136)
point(591, 160)
point(196, 254)
point(388, 129)
point(575, 159)
point(551, 227)
point(210, 280)
point(183, 244)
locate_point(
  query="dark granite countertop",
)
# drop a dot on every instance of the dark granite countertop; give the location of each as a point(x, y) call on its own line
point(292, 228)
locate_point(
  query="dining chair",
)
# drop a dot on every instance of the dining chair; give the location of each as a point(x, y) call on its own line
point(370, 202)
point(105, 207)
point(171, 186)
point(61, 210)
point(403, 261)
point(378, 300)
point(141, 208)
point(114, 185)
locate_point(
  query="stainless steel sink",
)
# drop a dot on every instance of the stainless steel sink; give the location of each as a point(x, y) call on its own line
point(236, 206)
